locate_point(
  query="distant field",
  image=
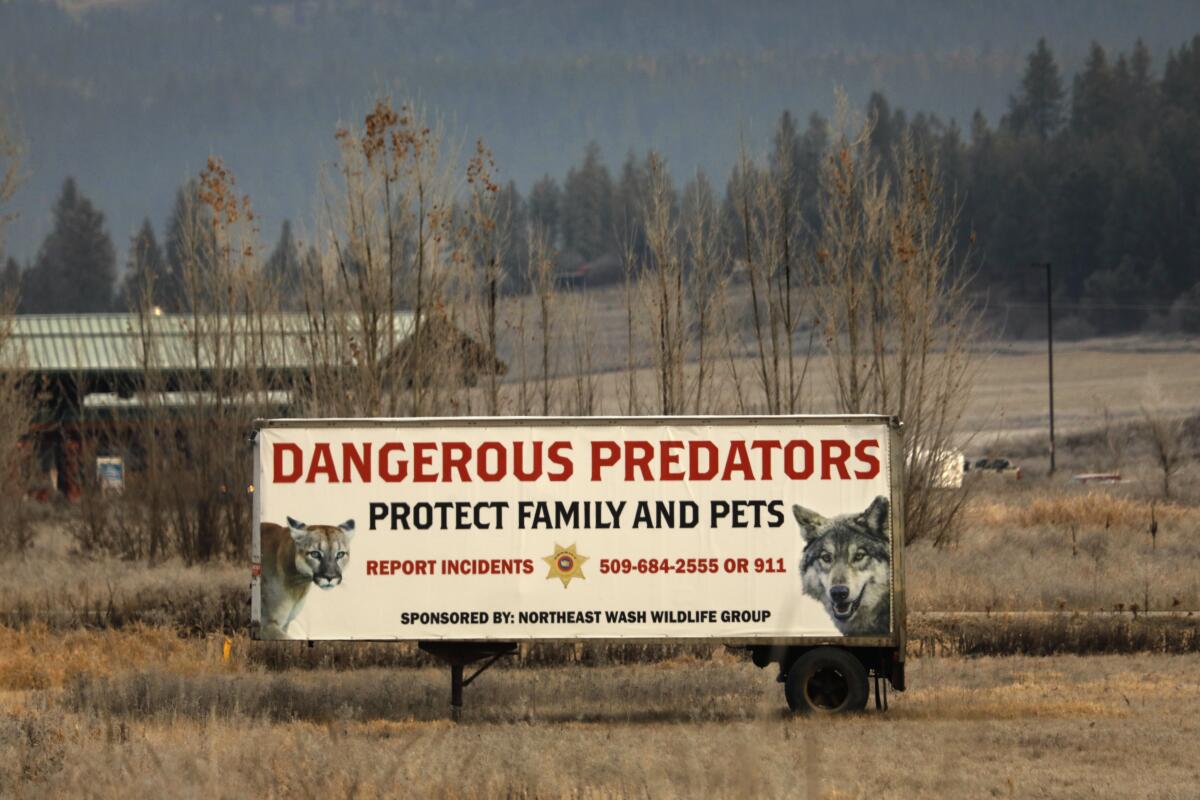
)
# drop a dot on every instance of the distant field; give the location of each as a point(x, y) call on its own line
point(1009, 396)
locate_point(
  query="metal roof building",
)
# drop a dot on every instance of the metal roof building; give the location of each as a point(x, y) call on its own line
point(95, 373)
point(100, 362)
point(95, 346)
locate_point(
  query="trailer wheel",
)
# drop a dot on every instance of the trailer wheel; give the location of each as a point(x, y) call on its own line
point(826, 680)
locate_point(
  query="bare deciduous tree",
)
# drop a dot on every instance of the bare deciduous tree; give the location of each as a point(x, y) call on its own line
point(488, 227)
point(393, 245)
point(16, 406)
point(541, 278)
point(662, 279)
point(12, 160)
point(520, 328)
point(1164, 434)
point(203, 379)
point(629, 271)
point(850, 243)
point(706, 260)
point(1116, 436)
point(749, 205)
point(390, 244)
point(768, 228)
point(895, 312)
point(578, 307)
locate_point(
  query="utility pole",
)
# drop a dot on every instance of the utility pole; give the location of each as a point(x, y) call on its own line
point(1050, 353)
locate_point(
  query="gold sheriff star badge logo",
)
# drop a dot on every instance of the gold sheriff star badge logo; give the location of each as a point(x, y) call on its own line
point(565, 564)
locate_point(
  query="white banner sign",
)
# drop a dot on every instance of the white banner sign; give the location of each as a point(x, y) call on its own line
point(521, 529)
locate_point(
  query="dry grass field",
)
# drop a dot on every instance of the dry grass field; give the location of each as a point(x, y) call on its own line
point(1054, 647)
point(1063, 548)
point(188, 724)
point(114, 681)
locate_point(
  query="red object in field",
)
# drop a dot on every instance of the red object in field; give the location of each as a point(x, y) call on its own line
point(255, 570)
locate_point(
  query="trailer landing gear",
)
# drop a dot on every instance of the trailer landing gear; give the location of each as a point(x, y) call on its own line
point(457, 655)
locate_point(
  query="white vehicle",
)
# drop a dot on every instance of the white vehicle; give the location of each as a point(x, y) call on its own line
point(946, 468)
point(781, 535)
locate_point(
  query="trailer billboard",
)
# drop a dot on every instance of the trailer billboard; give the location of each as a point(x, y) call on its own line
point(515, 529)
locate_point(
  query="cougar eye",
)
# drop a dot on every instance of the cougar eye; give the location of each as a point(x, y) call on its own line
point(314, 554)
point(341, 554)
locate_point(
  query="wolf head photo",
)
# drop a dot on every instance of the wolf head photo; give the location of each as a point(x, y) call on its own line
point(847, 566)
point(295, 558)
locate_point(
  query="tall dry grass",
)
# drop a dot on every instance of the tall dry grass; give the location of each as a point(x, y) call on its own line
point(1082, 509)
point(1068, 549)
point(62, 588)
point(38, 657)
point(678, 730)
point(1032, 634)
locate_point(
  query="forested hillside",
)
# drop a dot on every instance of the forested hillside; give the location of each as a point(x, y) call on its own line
point(1080, 152)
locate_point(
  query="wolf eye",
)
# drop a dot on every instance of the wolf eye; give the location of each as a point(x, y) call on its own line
point(826, 558)
point(314, 554)
point(860, 556)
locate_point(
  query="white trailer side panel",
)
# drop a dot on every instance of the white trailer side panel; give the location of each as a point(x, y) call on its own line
point(520, 529)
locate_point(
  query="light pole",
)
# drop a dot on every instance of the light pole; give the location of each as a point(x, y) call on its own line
point(1050, 353)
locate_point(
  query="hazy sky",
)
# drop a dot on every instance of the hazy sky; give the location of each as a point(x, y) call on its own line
point(132, 97)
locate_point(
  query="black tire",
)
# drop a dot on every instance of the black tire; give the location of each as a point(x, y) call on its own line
point(826, 680)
